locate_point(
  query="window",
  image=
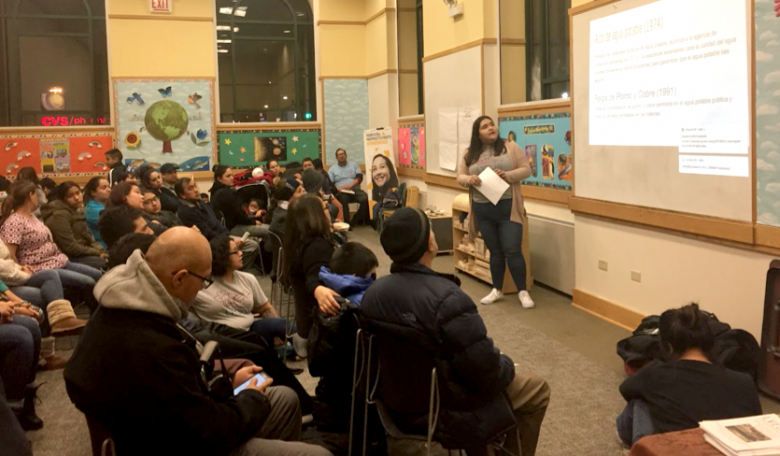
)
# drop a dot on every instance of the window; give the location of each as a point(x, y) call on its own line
point(266, 61)
point(53, 63)
point(547, 50)
point(410, 54)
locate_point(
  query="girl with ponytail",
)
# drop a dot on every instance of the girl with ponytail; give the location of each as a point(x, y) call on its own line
point(674, 396)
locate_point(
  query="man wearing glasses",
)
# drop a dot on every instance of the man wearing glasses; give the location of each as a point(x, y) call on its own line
point(152, 206)
point(135, 375)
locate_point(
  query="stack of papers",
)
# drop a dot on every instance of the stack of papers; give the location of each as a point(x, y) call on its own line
point(750, 436)
point(492, 187)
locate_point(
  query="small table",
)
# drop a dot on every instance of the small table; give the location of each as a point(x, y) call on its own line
point(688, 443)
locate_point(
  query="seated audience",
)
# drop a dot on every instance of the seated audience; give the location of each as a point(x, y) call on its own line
point(30, 244)
point(235, 296)
point(133, 374)
point(114, 162)
point(346, 177)
point(44, 290)
point(308, 246)
point(168, 199)
point(96, 195)
point(20, 346)
point(417, 307)
point(285, 192)
point(47, 185)
point(673, 396)
point(64, 216)
point(27, 174)
point(118, 221)
point(126, 245)
point(129, 194)
point(228, 204)
point(352, 270)
point(313, 182)
point(131, 175)
point(152, 207)
point(273, 167)
point(205, 198)
point(193, 212)
point(327, 184)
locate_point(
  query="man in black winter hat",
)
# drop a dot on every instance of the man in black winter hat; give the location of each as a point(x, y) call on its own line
point(422, 319)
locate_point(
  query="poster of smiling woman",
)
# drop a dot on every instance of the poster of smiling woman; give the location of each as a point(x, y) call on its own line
point(380, 163)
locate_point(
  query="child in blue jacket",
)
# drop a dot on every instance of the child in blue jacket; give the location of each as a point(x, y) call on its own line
point(352, 270)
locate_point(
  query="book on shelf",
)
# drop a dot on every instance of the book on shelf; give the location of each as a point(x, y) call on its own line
point(749, 436)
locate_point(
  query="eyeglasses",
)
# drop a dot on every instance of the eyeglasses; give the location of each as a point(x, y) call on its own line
point(153, 200)
point(207, 282)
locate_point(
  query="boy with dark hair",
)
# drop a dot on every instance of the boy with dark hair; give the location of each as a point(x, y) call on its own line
point(126, 245)
point(352, 270)
point(47, 184)
point(118, 221)
point(114, 161)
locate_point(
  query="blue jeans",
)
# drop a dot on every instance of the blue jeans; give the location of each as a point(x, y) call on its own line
point(635, 422)
point(20, 347)
point(80, 279)
point(504, 239)
point(42, 288)
point(268, 328)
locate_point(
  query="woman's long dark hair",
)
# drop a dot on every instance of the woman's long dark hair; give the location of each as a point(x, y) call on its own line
point(61, 191)
point(17, 195)
point(28, 174)
point(146, 176)
point(475, 148)
point(220, 255)
point(92, 187)
point(119, 194)
point(685, 328)
point(219, 171)
point(378, 193)
point(306, 220)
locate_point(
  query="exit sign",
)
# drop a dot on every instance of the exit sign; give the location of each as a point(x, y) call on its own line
point(161, 6)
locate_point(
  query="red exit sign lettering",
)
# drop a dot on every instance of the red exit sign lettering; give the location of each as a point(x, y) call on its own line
point(161, 6)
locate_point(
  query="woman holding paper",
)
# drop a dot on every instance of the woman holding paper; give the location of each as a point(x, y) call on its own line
point(501, 224)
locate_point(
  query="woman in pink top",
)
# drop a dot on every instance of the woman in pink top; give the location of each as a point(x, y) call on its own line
point(30, 243)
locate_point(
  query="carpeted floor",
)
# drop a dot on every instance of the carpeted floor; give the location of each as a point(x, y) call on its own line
point(573, 350)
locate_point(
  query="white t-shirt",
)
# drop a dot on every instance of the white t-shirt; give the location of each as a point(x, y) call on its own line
point(231, 303)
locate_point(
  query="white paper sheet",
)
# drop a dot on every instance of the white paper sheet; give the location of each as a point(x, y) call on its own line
point(448, 139)
point(466, 118)
point(493, 187)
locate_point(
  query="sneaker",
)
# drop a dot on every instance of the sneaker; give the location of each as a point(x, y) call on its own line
point(526, 301)
point(494, 296)
point(299, 345)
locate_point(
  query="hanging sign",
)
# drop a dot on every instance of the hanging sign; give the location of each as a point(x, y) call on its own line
point(161, 6)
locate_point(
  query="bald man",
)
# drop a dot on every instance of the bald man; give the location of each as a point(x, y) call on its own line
point(138, 375)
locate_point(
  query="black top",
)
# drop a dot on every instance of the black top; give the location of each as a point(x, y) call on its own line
point(682, 393)
point(304, 277)
point(227, 203)
point(168, 199)
point(201, 215)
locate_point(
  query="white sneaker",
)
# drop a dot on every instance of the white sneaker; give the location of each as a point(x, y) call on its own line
point(525, 300)
point(494, 296)
point(299, 345)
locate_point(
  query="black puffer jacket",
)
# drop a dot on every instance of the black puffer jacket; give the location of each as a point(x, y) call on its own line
point(228, 205)
point(423, 319)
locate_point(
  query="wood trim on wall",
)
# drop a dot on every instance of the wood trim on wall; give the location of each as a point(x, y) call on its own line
point(546, 194)
point(360, 23)
point(381, 73)
point(22, 131)
point(407, 71)
point(322, 78)
point(767, 236)
point(589, 6)
point(676, 221)
point(371, 19)
point(462, 47)
point(606, 310)
point(379, 14)
point(254, 126)
point(443, 181)
point(513, 41)
point(411, 172)
point(142, 17)
point(411, 120)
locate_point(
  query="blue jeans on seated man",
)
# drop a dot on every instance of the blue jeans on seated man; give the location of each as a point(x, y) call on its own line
point(20, 347)
point(269, 328)
point(504, 239)
point(635, 422)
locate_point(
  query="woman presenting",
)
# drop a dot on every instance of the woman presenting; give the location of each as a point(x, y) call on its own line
point(501, 224)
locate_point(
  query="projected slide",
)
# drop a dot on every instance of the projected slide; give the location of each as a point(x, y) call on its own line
point(674, 74)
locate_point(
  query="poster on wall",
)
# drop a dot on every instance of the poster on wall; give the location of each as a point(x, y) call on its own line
point(379, 157)
point(55, 156)
point(767, 44)
point(166, 120)
point(411, 147)
point(244, 149)
point(546, 141)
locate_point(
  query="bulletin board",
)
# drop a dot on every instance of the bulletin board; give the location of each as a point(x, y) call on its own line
point(411, 146)
point(243, 149)
point(345, 119)
point(60, 154)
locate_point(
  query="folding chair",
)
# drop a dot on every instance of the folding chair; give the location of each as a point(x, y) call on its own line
point(281, 296)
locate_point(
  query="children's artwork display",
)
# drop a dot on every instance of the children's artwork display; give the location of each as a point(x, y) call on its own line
point(64, 154)
point(546, 141)
point(166, 121)
point(245, 149)
point(411, 146)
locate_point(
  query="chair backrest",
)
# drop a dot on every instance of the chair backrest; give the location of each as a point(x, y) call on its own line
point(412, 196)
point(102, 444)
point(406, 380)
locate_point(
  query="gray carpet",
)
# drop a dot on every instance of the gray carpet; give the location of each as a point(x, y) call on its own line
point(572, 350)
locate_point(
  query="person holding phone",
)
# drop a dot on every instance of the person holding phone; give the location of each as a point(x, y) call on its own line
point(501, 224)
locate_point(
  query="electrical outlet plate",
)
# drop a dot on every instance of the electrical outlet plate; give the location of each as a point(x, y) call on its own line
point(603, 265)
point(636, 276)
